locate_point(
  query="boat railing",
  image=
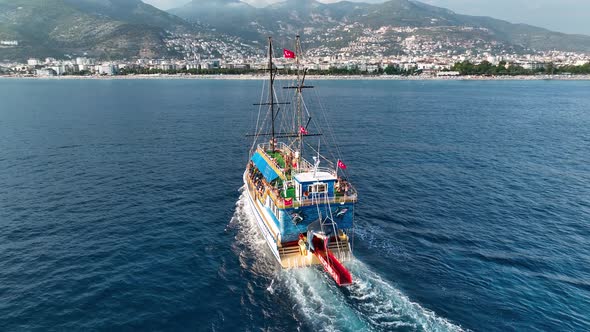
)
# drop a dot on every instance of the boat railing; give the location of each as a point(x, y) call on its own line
point(284, 203)
point(306, 167)
point(349, 195)
point(264, 149)
point(278, 146)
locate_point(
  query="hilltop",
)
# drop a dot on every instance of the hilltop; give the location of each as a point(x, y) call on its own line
point(100, 28)
point(342, 25)
point(120, 29)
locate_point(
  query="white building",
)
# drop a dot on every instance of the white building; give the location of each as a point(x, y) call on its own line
point(45, 72)
point(107, 69)
point(533, 65)
point(372, 68)
point(83, 61)
point(192, 66)
point(166, 66)
point(59, 70)
point(33, 62)
point(448, 73)
point(8, 42)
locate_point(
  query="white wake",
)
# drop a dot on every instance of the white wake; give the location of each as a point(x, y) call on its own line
point(370, 304)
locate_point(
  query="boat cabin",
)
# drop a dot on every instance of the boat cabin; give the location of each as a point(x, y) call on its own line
point(315, 185)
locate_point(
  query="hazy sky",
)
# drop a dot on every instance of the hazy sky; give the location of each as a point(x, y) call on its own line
point(569, 16)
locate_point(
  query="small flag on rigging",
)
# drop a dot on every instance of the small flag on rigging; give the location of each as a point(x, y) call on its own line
point(288, 54)
point(303, 131)
point(341, 164)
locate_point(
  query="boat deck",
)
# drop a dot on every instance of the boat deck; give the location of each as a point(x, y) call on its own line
point(278, 159)
point(291, 257)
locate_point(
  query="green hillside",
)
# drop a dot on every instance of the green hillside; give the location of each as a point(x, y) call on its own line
point(98, 28)
point(322, 21)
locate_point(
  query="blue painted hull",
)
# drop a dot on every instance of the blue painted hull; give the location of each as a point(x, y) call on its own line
point(286, 227)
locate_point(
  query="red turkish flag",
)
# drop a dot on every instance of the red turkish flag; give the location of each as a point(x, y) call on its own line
point(302, 130)
point(288, 54)
point(341, 164)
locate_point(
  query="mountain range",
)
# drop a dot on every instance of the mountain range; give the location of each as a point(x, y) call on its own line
point(101, 28)
point(113, 29)
point(316, 19)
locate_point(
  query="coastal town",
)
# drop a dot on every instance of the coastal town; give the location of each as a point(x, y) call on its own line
point(232, 56)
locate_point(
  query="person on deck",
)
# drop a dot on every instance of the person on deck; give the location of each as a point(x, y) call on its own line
point(302, 245)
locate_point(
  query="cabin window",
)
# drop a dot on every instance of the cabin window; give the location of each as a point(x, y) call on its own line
point(318, 188)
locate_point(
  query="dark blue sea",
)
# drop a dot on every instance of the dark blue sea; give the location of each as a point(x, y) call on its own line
point(121, 209)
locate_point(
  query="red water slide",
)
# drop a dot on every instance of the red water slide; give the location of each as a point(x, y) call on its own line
point(334, 268)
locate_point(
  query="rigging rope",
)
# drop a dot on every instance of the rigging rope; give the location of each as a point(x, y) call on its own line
point(257, 132)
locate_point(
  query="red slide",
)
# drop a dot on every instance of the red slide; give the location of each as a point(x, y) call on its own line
point(334, 268)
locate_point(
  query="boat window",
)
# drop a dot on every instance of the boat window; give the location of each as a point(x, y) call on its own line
point(318, 188)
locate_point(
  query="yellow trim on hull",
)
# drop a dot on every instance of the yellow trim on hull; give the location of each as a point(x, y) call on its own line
point(275, 235)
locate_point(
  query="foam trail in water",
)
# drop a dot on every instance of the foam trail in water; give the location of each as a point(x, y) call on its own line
point(370, 304)
point(386, 307)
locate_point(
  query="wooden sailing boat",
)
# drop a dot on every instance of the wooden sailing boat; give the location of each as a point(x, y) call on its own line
point(304, 211)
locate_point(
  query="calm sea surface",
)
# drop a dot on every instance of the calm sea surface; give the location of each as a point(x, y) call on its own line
point(121, 210)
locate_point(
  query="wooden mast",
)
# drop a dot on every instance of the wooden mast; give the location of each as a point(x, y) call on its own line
point(298, 92)
point(271, 93)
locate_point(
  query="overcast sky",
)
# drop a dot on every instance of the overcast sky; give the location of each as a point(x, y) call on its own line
point(569, 16)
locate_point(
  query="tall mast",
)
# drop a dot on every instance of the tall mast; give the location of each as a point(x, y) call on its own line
point(299, 115)
point(298, 92)
point(271, 93)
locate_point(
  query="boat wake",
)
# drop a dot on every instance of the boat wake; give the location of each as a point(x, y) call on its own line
point(370, 303)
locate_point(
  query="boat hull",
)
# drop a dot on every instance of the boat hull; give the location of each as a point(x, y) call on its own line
point(287, 253)
point(259, 216)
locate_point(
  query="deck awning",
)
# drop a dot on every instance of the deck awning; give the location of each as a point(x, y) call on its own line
point(263, 166)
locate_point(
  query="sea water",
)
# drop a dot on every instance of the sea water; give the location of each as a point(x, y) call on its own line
point(121, 208)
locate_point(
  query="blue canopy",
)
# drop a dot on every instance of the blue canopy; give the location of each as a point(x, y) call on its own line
point(267, 171)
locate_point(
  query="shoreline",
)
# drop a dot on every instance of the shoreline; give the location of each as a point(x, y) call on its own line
point(314, 77)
